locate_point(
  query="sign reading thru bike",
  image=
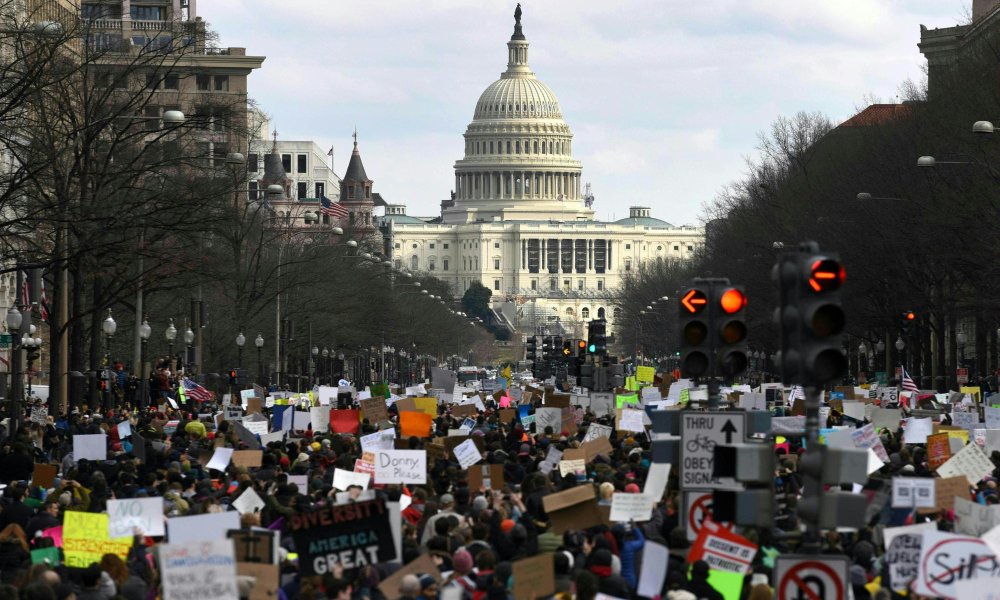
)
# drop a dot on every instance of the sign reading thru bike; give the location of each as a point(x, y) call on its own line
point(701, 432)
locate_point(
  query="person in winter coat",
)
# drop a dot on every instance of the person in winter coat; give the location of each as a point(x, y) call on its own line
point(599, 563)
point(698, 584)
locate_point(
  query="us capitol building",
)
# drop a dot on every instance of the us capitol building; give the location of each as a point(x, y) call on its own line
point(521, 223)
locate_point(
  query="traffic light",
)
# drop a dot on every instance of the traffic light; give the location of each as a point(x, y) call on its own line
point(567, 349)
point(531, 348)
point(546, 347)
point(906, 319)
point(581, 348)
point(732, 328)
point(597, 337)
point(821, 466)
point(232, 376)
point(753, 465)
point(810, 316)
point(695, 346)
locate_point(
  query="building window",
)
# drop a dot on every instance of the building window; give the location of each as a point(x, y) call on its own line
point(600, 285)
point(690, 248)
point(508, 147)
point(252, 162)
point(252, 190)
point(147, 13)
point(414, 262)
point(496, 244)
point(446, 246)
point(566, 284)
point(320, 189)
point(534, 284)
point(300, 163)
point(553, 284)
point(432, 245)
point(628, 246)
point(414, 246)
point(286, 162)
point(628, 265)
point(203, 82)
point(222, 83)
point(396, 246)
point(171, 82)
point(496, 284)
point(303, 190)
point(496, 264)
point(430, 265)
point(584, 313)
point(579, 284)
point(676, 248)
point(444, 264)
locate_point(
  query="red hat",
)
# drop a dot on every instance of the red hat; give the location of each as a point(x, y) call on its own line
point(632, 488)
point(284, 462)
point(506, 525)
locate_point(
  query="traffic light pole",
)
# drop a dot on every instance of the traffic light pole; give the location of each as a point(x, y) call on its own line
point(812, 487)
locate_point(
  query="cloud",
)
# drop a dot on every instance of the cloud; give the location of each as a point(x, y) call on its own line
point(665, 97)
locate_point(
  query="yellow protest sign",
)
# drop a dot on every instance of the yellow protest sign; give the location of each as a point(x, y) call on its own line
point(85, 539)
point(631, 384)
point(972, 390)
point(427, 405)
point(645, 374)
point(961, 434)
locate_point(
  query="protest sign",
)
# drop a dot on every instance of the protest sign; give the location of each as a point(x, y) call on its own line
point(220, 459)
point(912, 492)
point(422, 565)
point(595, 447)
point(248, 502)
point(247, 458)
point(534, 577)
point(265, 576)
point(656, 481)
point(902, 552)
point(85, 539)
point(415, 424)
point(627, 507)
point(595, 430)
point(572, 467)
point(401, 466)
point(574, 508)
point(350, 535)
point(886, 418)
point(938, 450)
point(380, 440)
point(947, 560)
point(484, 477)
point(90, 446)
point(970, 461)
point(345, 421)
point(374, 409)
point(206, 569)
point(972, 518)
point(427, 405)
point(319, 418)
point(467, 454)
point(632, 420)
point(548, 417)
point(45, 556)
point(124, 429)
point(44, 475)
point(652, 576)
point(722, 549)
point(198, 528)
point(343, 479)
point(917, 430)
point(256, 427)
point(144, 514)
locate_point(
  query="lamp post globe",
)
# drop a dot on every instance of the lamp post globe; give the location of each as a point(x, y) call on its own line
point(145, 330)
point(900, 344)
point(109, 326)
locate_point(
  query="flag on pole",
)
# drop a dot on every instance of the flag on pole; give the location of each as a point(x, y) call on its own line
point(329, 207)
point(797, 392)
point(194, 391)
point(908, 384)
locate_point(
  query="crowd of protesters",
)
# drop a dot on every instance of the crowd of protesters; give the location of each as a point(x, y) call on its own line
point(473, 535)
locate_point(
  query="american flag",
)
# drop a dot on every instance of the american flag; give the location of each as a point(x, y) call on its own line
point(195, 392)
point(908, 385)
point(329, 207)
point(43, 307)
point(797, 392)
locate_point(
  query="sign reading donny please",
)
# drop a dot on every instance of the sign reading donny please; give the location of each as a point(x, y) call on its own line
point(351, 535)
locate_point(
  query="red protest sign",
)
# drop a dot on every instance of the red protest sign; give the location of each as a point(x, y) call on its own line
point(722, 549)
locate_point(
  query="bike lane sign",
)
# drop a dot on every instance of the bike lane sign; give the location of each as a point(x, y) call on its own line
point(701, 432)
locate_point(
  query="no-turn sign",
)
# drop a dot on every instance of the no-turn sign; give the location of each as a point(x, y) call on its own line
point(697, 510)
point(811, 577)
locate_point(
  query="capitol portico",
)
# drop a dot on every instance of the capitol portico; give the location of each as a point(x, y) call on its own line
point(521, 222)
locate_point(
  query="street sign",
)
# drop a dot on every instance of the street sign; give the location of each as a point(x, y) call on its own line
point(697, 509)
point(804, 577)
point(962, 374)
point(701, 432)
point(4, 341)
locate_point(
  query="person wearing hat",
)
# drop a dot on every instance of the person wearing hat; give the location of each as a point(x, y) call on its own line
point(599, 563)
point(446, 508)
point(428, 588)
point(698, 583)
point(409, 587)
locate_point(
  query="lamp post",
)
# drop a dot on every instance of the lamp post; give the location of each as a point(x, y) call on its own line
point(33, 345)
point(171, 335)
point(326, 362)
point(900, 345)
point(188, 341)
point(312, 362)
point(144, 332)
point(14, 319)
point(109, 327)
point(259, 342)
point(240, 341)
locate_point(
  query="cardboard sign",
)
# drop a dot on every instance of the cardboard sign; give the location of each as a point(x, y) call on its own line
point(575, 508)
point(401, 466)
point(422, 565)
point(192, 571)
point(534, 577)
point(144, 514)
point(945, 560)
point(351, 535)
point(374, 409)
point(600, 446)
point(938, 450)
point(722, 549)
point(415, 424)
point(947, 489)
point(972, 518)
point(266, 580)
point(486, 477)
point(44, 475)
point(247, 458)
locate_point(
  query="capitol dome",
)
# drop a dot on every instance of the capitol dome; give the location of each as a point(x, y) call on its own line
point(518, 162)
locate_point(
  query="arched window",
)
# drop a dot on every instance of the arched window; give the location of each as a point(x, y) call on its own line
point(414, 262)
point(570, 312)
point(584, 313)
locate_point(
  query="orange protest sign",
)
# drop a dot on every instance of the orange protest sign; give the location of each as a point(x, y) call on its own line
point(417, 424)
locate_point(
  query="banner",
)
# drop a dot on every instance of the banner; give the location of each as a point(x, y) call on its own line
point(401, 466)
point(145, 514)
point(350, 535)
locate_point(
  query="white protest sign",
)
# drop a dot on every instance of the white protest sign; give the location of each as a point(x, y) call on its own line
point(301, 420)
point(632, 420)
point(220, 459)
point(654, 556)
point(343, 479)
point(902, 552)
point(467, 454)
point(969, 461)
point(992, 418)
point(572, 467)
point(548, 417)
point(401, 466)
point(627, 507)
point(206, 569)
point(125, 516)
point(917, 430)
point(945, 560)
point(965, 420)
point(656, 481)
point(268, 438)
point(124, 430)
point(913, 492)
point(319, 418)
point(245, 396)
point(380, 440)
point(651, 393)
point(91, 446)
point(972, 518)
point(301, 481)
point(199, 528)
point(256, 427)
point(248, 502)
point(595, 430)
point(855, 410)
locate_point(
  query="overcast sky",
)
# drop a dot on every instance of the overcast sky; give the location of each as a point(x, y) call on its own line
point(665, 97)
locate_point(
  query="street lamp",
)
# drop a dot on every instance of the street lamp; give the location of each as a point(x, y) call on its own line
point(900, 344)
point(259, 342)
point(240, 341)
point(109, 327)
point(188, 341)
point(171, 335)
point(312, 363)
point(144, 332)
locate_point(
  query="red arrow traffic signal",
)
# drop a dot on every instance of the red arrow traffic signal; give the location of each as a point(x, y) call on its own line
point(826, 275)
point(694, 301)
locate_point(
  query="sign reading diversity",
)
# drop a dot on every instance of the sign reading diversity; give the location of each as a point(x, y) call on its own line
point(350, 535)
